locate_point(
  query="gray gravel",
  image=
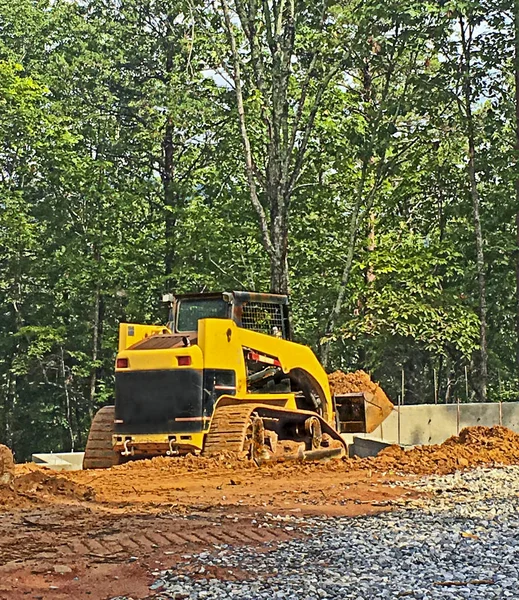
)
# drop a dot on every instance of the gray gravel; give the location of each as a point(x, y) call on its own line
point(463, 542)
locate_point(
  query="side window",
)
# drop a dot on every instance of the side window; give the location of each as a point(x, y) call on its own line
point(263, 317)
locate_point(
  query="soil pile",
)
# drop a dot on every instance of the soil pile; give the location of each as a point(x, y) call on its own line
point(186, 464)
point(35, 486)
point(360, 381)
point(379, 406)
point(6, 466)
point(165, 483)
point(475, 446)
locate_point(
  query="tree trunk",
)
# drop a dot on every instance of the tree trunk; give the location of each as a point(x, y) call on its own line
point(169, 203)
point(249, 161)
point(9, 407)
point(168, 174)
point(70, 443)
point(97, 331)
point(351, 240)
point(287, 139)
point(480, 263)
point(516, 78)
point(279, 283)
point(474, 193)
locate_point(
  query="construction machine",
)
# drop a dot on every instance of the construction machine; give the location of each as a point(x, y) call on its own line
point(223, 375)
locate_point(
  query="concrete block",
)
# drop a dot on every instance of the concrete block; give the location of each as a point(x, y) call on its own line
point(388, 429)
point(420, 424)
point(427, 424)
point(434, 423)
point(510, 415)
point(63, 461)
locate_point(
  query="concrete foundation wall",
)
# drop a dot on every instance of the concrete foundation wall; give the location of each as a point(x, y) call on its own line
point(434, 423)
point(510, 412)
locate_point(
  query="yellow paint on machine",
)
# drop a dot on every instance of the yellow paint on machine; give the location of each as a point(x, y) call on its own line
point(157, 359)
point(132, 333)
point(222, 343)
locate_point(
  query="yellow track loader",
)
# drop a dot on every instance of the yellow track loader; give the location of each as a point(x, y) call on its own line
point(222, 375)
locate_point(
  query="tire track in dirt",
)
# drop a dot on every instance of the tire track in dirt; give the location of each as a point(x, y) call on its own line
point(134, 535)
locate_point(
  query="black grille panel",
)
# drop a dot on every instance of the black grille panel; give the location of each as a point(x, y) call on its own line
point(151, 401)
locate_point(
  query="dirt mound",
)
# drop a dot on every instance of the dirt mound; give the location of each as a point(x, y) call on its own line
point(344, 383)
point(6, 466)
point(38, 487)
point(186, 464)
point(378, 407)
point(475, 446)
point(169, 483)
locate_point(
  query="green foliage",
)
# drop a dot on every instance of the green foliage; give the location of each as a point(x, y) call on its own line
point(413, 295)
point(122, 177)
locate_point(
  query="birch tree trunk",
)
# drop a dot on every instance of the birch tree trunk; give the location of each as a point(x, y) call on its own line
point(466, 43)
point(516, 98)
point(269, 30)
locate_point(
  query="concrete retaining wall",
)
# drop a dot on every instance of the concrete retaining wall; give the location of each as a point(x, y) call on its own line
point(434, 423)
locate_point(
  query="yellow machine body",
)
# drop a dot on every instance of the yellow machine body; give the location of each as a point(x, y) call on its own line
point(223, 375)
point(221, 346)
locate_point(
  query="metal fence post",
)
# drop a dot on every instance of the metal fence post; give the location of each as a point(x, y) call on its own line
point(398, 420)
point(403, 387)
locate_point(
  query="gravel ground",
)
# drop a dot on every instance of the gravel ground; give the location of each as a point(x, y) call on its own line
point(462, 542)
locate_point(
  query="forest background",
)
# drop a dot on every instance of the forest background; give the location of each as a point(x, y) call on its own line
point(360, 155)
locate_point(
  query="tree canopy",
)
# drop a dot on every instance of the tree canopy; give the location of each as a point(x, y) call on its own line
point(361, 157)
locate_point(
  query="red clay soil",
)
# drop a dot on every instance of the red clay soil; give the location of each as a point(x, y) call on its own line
point(475, 446)
point(6, 466)
point(344, 383)
point(225, 479)
point(102, 533)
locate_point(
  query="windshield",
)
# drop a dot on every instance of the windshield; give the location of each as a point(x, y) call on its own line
point(189, 311)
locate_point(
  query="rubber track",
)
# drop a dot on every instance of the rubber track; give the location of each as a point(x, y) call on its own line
point(228, 429)
point(99, 453)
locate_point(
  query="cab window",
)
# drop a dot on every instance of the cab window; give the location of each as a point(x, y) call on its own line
point(189, 311)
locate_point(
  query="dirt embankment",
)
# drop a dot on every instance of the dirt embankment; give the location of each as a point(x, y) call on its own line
point(102, 532)
point(34, 486)
point(475, 446)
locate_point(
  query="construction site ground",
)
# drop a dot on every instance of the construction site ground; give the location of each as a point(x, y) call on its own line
point(107, 533)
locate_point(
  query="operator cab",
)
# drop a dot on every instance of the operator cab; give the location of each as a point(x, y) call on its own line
point(264, 313)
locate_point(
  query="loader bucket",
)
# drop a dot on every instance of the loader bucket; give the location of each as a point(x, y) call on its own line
point(361, 412)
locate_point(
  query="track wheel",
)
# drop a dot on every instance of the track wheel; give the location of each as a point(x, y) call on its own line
point(256, 440)
point(99, 452)
point(314, 432)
